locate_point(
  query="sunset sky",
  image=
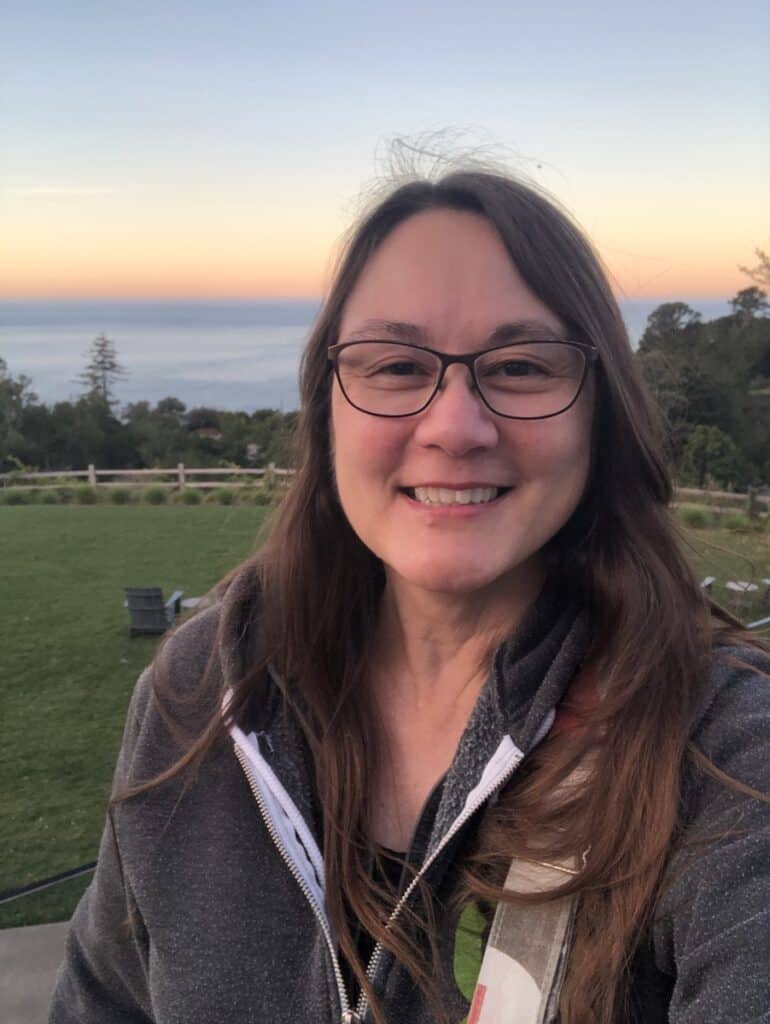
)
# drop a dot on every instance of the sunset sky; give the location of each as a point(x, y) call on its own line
point(220, 149)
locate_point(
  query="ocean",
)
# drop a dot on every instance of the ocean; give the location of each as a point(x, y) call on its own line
point(229, 354)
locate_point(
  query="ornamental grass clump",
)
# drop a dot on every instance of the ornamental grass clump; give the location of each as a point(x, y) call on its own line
point(245, 496)
point(695, 518)
point(65, 494)
point(221, 496)
point(155, 495)
point(14, 496)
point(121, 495)
point(265, 496)
point(189, 496)
point(86, 495)
point(737, 523)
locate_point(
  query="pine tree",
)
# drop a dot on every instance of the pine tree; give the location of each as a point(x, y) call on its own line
point(102, 370)
point(761, 273)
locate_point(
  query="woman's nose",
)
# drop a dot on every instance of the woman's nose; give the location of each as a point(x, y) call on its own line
point(457, 420)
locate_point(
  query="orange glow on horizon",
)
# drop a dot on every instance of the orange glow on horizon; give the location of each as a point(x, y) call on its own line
point(70, 258)
point(708, 283)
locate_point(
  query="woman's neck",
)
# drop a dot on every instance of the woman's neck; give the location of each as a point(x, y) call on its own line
point(431, 646)
point(426, 671)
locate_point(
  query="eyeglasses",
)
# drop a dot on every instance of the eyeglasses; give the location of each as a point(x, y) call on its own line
point(522, 380)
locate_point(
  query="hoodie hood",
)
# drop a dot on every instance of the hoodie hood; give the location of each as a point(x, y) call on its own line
point(529, 674)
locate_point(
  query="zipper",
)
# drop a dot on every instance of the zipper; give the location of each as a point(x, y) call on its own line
point(357, 1015)
point(349, 1016)
point(470, 809)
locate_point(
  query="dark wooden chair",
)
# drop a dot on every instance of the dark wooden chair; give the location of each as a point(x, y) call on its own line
point(147, 610)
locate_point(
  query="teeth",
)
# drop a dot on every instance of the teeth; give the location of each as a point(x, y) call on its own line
point(443, 496)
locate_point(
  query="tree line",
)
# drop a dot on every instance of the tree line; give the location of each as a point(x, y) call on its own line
point(92, 428)
point(710, 378)
point(712, 383)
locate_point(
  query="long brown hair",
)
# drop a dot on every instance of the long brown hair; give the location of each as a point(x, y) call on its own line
point(653, 629)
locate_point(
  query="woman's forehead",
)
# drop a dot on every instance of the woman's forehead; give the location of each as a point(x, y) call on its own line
point(444, 272)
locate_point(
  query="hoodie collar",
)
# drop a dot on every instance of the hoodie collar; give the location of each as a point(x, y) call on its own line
point(529, 675)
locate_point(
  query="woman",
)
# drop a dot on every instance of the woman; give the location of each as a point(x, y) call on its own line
point(496, 757)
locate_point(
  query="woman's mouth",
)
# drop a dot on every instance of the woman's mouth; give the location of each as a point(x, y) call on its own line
point(449, 496)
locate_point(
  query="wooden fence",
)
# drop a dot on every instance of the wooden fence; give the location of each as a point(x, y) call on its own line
point(721, 501)
point(180, 476)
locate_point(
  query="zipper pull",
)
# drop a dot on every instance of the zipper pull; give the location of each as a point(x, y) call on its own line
point(351, 1017)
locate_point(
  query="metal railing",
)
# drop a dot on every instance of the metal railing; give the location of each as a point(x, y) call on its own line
point(8, 895)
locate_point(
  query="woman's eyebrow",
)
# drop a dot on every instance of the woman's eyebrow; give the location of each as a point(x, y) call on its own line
point(401, 330)
point(518, 330)
point(415, 334)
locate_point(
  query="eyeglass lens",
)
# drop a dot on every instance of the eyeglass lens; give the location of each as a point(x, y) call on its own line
point(528, 381)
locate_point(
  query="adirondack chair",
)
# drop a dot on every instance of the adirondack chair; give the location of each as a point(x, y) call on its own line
point(763, 623)
point(147, 610)
point(760, 624)
point(743, 590)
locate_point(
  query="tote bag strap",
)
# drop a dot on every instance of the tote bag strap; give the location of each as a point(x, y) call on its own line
point(524, 963)
point(523, 967)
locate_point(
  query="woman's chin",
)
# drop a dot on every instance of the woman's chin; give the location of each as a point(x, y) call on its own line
point(455, 576)
point(452, 579)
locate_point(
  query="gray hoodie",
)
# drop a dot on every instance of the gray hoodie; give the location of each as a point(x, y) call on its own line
point(207, 904)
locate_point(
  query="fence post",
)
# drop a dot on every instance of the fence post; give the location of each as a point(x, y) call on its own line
point(752, 503)
point(91, 474)
point(180, 472)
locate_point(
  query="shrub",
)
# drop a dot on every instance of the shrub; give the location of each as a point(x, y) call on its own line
point(741, 524)
point(14, 496)
point(48, 497)
point(695, 518)
point(121, 495)
point(85, 495)
point(65, 494)
point(221, 496)
point(264, 496)
point(188, 496)
point(155, 495)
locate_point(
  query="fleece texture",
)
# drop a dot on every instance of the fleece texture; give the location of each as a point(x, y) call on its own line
point(192, 916)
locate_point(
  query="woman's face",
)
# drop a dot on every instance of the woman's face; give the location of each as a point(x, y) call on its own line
point(447, 273)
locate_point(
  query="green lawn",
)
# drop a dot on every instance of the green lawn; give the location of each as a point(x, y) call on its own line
point(733, 556)
point(67, 664)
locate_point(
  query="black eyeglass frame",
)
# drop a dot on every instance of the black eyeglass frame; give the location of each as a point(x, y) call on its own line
point(590, 353)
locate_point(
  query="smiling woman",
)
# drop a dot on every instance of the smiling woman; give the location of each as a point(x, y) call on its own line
point(448, 274)
point(464, 739)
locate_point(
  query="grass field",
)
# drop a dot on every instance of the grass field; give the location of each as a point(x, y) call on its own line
point(68, 665)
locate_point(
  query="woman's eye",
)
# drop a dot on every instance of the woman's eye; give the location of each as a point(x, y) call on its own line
point(404, 368)
point(516, 368)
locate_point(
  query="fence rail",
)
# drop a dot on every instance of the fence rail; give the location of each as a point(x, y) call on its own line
point(175, 476)
point(181, 476)
point(715, 497)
